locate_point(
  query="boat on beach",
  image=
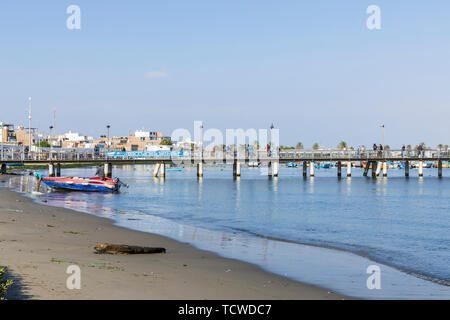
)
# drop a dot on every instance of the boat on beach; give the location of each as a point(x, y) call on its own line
point(92, 184)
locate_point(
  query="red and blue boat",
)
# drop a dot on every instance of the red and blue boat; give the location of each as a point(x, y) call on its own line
point(95, 184)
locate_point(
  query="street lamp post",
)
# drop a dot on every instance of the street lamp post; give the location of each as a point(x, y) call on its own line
point(201, 141)
point(1, 136)
point(107, 142)
point(382, 126)
point(50, 141)
point(271, 137)
point(29, 126)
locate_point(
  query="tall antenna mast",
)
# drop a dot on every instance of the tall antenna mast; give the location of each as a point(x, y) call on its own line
point(29, 121)
point(54, 117)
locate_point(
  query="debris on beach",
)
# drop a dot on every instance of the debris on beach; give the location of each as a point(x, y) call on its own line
point(126, 249)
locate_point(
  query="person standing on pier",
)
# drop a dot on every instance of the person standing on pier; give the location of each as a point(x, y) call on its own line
point(420, 150)
point(380, 150)
point(403, 150)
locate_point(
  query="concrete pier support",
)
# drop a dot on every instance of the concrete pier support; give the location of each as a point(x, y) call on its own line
point(200, 170)
point(236, 169)
point(407, 169)
point(379, 166)
point(420, 168)
point(58, 169)
point(305, 166)
point(384, 169)
point(339, 169)
point(156, 170)
point(108, 170)
point(374, 169)
point(3, 169)
point(440, 168)
point(275, 167)
point(162, 170)
point(51, 170)
point(311, 169)
point(366, 169)
point(269, 169)
point(349, 169)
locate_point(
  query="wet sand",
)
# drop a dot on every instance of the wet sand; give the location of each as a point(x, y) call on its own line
point(39, 242)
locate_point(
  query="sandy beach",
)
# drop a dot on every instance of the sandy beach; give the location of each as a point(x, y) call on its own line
point(39, 242)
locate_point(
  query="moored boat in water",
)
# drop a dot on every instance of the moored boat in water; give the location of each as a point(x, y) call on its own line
point(92, 184)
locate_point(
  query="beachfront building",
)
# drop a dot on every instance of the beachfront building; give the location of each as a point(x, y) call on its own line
point(139, 141)
point(73, 140)
point(7, 134)
point(25, 135)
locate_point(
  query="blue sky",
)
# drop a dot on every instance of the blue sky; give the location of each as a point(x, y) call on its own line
point(310, 67)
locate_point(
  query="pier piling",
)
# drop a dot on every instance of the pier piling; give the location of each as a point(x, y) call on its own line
point(339, 169)
point(3, 169)
point(162, 170)
point(366, 169)
point(379, 166)
point(374, 169)
point(200, 170)
point(407, 169)
point(275, 168)
point(51, 170)
point(420, 168)
point(384, 169)
point(108, 170)
point(58, 169)
point(305, 166)
point(349, 169)
point(236, 169)
point(156, 170)
point(440, 168)
point(311, 169)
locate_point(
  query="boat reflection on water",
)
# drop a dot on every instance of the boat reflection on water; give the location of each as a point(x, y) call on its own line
point(63, 198)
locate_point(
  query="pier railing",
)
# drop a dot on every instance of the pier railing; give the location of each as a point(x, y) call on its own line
point(11, 154)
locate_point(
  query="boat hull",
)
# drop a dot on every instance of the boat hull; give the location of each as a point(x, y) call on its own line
point(83, 184)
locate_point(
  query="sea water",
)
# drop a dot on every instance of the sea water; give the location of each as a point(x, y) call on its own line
point(323, 230)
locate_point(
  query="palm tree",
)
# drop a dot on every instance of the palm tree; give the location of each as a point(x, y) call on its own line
point(315, 146)
point(440, 146)
point(342, 145)
point(299, 146)
point(387, 147)
point(408, 147)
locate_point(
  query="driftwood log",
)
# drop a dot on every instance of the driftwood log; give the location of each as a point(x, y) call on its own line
point(126, 249)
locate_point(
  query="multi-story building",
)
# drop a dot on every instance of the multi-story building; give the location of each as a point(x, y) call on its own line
point(7, 133)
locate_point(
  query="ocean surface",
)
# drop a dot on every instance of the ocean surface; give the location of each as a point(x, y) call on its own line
point(324, 231)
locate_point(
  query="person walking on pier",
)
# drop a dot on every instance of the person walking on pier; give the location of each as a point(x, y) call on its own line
point(375, 148)
point(403, 150)
point(380, 150)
